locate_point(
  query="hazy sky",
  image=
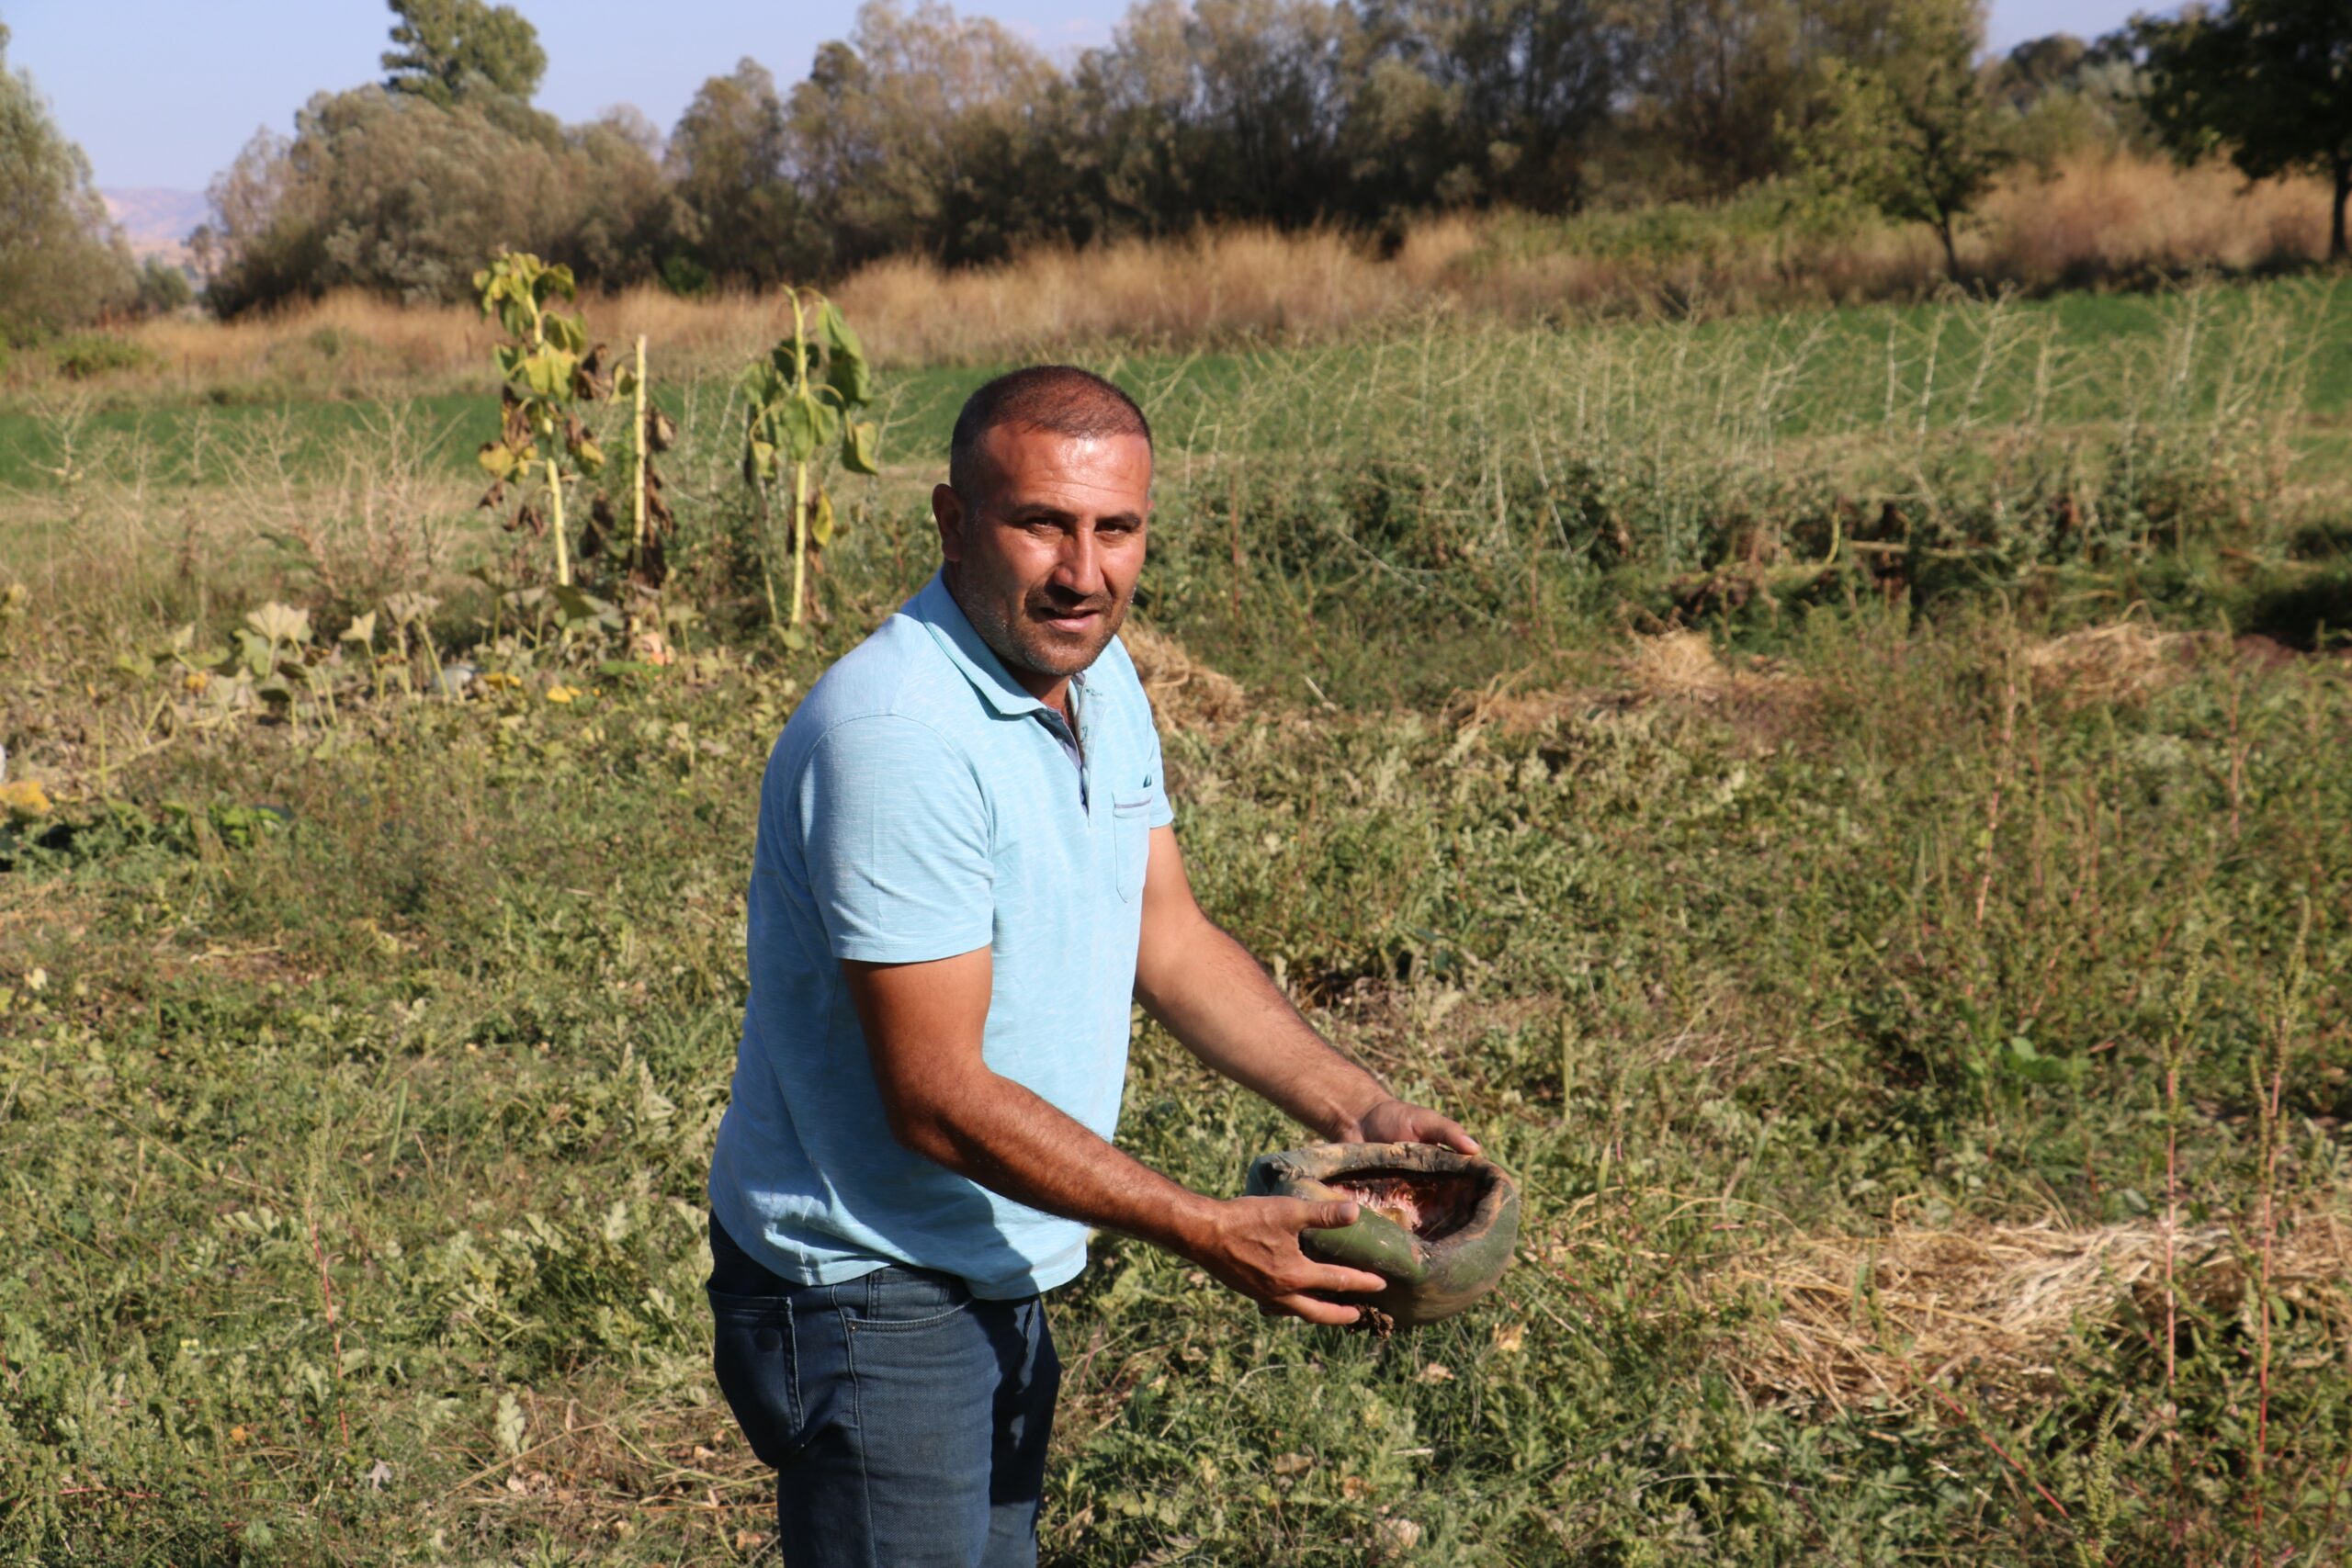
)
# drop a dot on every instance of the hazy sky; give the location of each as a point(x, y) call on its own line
point(164, 92)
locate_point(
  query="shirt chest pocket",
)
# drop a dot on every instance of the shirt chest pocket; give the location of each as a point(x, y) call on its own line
point(1130, 842)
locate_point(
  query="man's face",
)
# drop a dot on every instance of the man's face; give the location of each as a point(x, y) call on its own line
point(1045, 562)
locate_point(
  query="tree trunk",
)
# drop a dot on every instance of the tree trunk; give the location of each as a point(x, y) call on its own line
point(1952, 250)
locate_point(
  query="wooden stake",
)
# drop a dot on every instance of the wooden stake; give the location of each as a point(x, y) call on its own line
point(638, 429)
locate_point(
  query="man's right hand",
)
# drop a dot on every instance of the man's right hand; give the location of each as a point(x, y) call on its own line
point(1251, 1245)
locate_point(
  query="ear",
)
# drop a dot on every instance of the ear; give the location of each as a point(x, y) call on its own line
point(947, 515)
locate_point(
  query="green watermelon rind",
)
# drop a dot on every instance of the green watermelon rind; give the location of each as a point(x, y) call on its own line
point(1374, 1242)
point(1427, 1281)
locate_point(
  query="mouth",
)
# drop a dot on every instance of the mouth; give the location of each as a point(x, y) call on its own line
point(1079, 620)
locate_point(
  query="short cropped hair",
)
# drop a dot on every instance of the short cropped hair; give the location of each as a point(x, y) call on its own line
point(1061, 399)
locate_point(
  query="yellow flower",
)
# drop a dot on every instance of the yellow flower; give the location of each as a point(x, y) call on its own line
point(24, 800)
point(562, 694)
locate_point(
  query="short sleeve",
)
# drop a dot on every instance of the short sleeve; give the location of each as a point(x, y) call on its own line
point(894, 831)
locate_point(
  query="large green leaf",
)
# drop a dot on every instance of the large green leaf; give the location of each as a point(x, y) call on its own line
point(765, 385)
point(800, 426)
point(858, 448)
point(573, 605)
point(848, 373)
point(547, 372)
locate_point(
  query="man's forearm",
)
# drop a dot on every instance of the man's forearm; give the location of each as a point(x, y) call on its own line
point(1003, 1136)
point(1229, 1013)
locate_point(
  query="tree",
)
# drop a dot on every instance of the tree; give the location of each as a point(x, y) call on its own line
point(163, 288)
point(2069, 95)
point(449, 49)
point(1715, 75)
point(1528, 84)
point(386, 192)
point(60, 261)
point(910, 135)
point(1272, 87)
point(1223, 109)
point(748, 223)
point(2268, 81)
point(2038, 67)
point(1906, 125)
point(621, 216)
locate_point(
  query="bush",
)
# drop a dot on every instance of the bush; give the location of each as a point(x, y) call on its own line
point(163, 288)
point(686, 277)
point(85, 355)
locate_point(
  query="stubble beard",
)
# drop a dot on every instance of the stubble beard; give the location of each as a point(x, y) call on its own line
point(1021, 642)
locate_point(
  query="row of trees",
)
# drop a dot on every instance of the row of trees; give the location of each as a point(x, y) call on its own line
point(947, 135)
point(928, 131)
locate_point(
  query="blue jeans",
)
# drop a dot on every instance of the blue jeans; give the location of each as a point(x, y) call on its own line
point(905, 1417)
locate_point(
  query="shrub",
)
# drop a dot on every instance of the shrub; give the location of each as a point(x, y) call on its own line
point(163, 288)
point(85, 355)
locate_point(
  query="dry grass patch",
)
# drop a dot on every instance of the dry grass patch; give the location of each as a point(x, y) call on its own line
point(2114, 215)
point(1675, 668)
point(2119, 662)
point(1185, 693)
point(1884, 1318)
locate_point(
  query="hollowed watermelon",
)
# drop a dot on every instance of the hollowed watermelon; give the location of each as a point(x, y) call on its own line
point(1439, 1225)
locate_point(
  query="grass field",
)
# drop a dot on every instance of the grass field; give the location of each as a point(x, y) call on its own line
point(1849, 807)
point(1856, 368)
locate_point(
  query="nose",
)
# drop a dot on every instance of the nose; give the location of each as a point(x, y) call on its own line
point(1077, 568)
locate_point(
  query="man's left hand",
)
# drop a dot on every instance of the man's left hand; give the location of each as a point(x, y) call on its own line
point(1391, 1120)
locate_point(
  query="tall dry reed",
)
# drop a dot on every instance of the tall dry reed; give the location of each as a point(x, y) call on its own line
point(2088, 221)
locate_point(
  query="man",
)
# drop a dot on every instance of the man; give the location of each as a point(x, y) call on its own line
point(965, 874)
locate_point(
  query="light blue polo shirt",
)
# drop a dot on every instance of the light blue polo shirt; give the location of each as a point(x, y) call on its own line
point(920, 805)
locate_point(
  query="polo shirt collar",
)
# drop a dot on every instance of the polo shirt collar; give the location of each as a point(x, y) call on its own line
point(952, 629)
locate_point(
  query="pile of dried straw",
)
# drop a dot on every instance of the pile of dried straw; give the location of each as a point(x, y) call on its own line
point(1184, 693)
point(1887, 1316)
point(2111, 663)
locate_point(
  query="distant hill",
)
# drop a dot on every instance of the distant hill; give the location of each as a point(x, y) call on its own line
point(156, 221)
